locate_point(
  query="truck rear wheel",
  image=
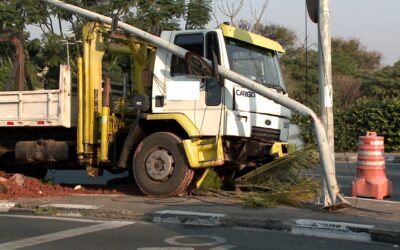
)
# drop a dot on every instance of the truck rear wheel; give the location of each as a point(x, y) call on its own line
point(159, 166)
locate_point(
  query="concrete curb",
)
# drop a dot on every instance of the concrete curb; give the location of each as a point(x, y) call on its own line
point(298, 226)
point(48, 210)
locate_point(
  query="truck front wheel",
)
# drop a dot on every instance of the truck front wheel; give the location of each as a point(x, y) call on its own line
point(159, 166)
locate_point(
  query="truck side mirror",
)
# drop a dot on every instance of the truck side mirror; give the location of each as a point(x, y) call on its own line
point(196, 65)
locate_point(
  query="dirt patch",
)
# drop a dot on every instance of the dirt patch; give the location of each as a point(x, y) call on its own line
point(14, 186)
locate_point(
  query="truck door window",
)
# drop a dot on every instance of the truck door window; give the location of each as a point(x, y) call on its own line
point(191, 42)
point(213, 87)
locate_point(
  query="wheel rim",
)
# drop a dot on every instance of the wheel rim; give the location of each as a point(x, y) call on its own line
point(159, 165)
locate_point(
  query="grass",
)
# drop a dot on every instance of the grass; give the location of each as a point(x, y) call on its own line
point(212, 181)
point(45, 211)
point(49, 181)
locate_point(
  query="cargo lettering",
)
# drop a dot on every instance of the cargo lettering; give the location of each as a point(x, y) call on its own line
point(245, 93)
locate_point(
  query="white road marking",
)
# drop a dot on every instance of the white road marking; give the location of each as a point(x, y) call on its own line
point(32, 241)
point(52, 218)
point(181, 212)
point(5, 206)
point(225, 247)
point(214, 240)
point(341, 226)
point(251, 229)
point(165, 248)
point(187, 217)
point(69, 214)
point(330, 229)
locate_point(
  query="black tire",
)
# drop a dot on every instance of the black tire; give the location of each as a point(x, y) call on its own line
point(159, 166)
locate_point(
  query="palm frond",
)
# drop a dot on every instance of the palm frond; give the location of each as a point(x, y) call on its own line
point(283, 170)
point(283, 181)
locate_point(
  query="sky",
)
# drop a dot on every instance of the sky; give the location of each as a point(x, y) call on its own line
point(375, 23)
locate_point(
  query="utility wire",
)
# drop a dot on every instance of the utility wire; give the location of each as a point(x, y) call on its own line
point(306, 44)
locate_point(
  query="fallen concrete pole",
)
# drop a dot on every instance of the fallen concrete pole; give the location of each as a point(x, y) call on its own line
point(328, 167)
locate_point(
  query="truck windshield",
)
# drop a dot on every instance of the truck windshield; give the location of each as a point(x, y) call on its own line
point(256, 63)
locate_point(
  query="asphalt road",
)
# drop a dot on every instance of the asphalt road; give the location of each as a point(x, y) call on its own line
point(346, 173)
point(80, 177)
point(67, 233)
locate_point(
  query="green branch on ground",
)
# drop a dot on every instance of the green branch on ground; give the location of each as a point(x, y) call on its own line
point(282, 181)
point(211, 181)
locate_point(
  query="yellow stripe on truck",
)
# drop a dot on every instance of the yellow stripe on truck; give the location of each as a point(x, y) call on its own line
point(250, 38)
point(182, 119)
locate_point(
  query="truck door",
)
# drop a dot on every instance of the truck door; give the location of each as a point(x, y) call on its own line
point(200, 100)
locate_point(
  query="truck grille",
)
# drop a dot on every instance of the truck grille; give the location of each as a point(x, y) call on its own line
point(265, 134)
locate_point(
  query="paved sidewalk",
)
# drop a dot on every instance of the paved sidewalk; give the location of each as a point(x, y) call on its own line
point(379, 220)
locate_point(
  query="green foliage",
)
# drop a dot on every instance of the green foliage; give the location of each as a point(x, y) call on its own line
point(383, 83)
point(292, 195)
point(5, 70)
point(282, 181)
point(306, 127)
point(16, 14)
point(350, 57)
point(46, 53)
point(54, 51)
point(212, 181)
point(366, 97)
point(33, 47)
point(6, 63)
point(286, 169)
point(346, 90)
point(31, 72)
point(301, 77)
point(49, 181)
point(115, 66)
point(350, 64)
point(155, 16)
point(43, 211)
point(198, 14)
point(50, 55)
point(381, 116)
point(356, 73)
point(286, 37)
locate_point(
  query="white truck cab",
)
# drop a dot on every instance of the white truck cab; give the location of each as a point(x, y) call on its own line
point(219, 106)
